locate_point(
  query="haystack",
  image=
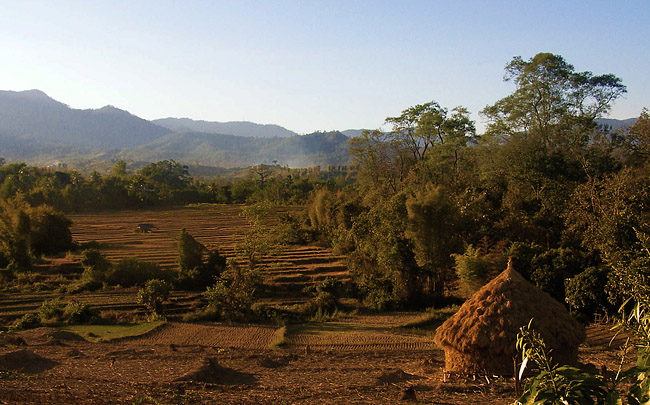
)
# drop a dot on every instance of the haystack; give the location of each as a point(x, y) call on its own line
point(480, 337)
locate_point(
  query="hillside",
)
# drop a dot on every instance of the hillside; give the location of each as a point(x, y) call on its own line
point(239, 128)
point(33, 117)
point(39, 130)
point(228, 151)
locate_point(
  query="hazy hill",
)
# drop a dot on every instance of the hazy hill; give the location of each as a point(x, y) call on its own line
point(321, 148)
point(240, 128)
point(615, 124)
point(32, 116)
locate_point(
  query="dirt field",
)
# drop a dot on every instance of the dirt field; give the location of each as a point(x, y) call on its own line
point(358, 359)
point(214, 363)
point(216, 226)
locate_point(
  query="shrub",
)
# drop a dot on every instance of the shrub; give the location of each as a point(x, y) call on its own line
point(153, 294)
point(551, 268)
point(51, 311)
point(50, 232)
point(131, 271)
point(586, 291)
point(196, 271)
point(477, 266)
point(232, 295)
point(28, 321)
point(96, 269)
point(79, 313)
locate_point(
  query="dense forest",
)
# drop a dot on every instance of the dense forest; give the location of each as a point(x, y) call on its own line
point(429, 209)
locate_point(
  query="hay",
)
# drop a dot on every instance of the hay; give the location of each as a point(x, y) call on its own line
point(480, 337)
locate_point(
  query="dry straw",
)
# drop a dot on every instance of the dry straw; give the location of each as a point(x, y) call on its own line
point(480, 337)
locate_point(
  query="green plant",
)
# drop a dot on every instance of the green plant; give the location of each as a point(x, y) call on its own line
point(279, 338)
point(562, 384)
point(153, 294)
point(51, 311)
point(132, 271)
point(232, 295)
point(78, 313)
point(28, 321)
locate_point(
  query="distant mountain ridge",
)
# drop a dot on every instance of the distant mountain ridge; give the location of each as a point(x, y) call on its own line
point(33, 116)
point(37, 129)
point(239, 128)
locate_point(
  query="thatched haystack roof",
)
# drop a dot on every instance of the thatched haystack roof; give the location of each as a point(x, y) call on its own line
point(481, 336)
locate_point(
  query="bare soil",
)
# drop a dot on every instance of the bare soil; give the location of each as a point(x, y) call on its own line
point(216, 363)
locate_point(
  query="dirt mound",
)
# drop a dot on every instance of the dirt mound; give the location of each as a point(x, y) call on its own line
point(211, 372)
point(395, 376)
point(11, 339)
point(268, 362)
point(74, 353)
point(26, 361)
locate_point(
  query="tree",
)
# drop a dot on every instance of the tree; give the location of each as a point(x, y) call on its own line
point(387, 161)
point(435, 228)
point(153, 294)
point(198, 265)
point(552, 101)
point(258, 239)
point(264, 172)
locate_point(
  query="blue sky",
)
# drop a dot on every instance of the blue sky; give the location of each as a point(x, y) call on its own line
point(309, 65)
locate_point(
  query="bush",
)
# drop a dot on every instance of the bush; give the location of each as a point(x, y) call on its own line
point(153, 294)
point(50, 232)
point(551, 268)
point(28, 321)
point(78, 313)
point(51, 311)
point(96, 269)
point(586, 292)
point(232, 295)
point(195, 273)
point(477, 266)
point(131, 272)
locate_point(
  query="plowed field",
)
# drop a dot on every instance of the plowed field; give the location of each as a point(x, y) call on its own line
point(216, 226)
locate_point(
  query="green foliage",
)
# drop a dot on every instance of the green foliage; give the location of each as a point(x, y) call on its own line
point(568, 385)
point(479, 265)
point(435, 228)
point(552, 267)
point(154, 294)
point(260, 239)
point(27, 321)
point(631, 273)
point(555, 384)
point(586, 292)
point(198, 266)
point(232, 295)
point(58, 312)
point(190, 252)
point(130, 272)
point(50, 232)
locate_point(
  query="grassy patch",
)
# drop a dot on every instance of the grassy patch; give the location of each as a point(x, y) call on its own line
point(105, 333)
point(430, 319)
point(279, 338)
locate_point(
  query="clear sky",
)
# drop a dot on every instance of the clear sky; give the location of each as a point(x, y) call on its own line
point(309, 65)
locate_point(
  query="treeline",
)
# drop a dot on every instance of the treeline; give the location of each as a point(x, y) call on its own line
point(439, 209)
point(164, 183)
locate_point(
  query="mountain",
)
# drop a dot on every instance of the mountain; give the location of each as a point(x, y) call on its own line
point(353, 133)
point(31, 116)
point(317, 149)
point(239, 128)
point(614, 123)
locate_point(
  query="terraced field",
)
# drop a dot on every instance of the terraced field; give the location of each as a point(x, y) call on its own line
point(216, 226)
